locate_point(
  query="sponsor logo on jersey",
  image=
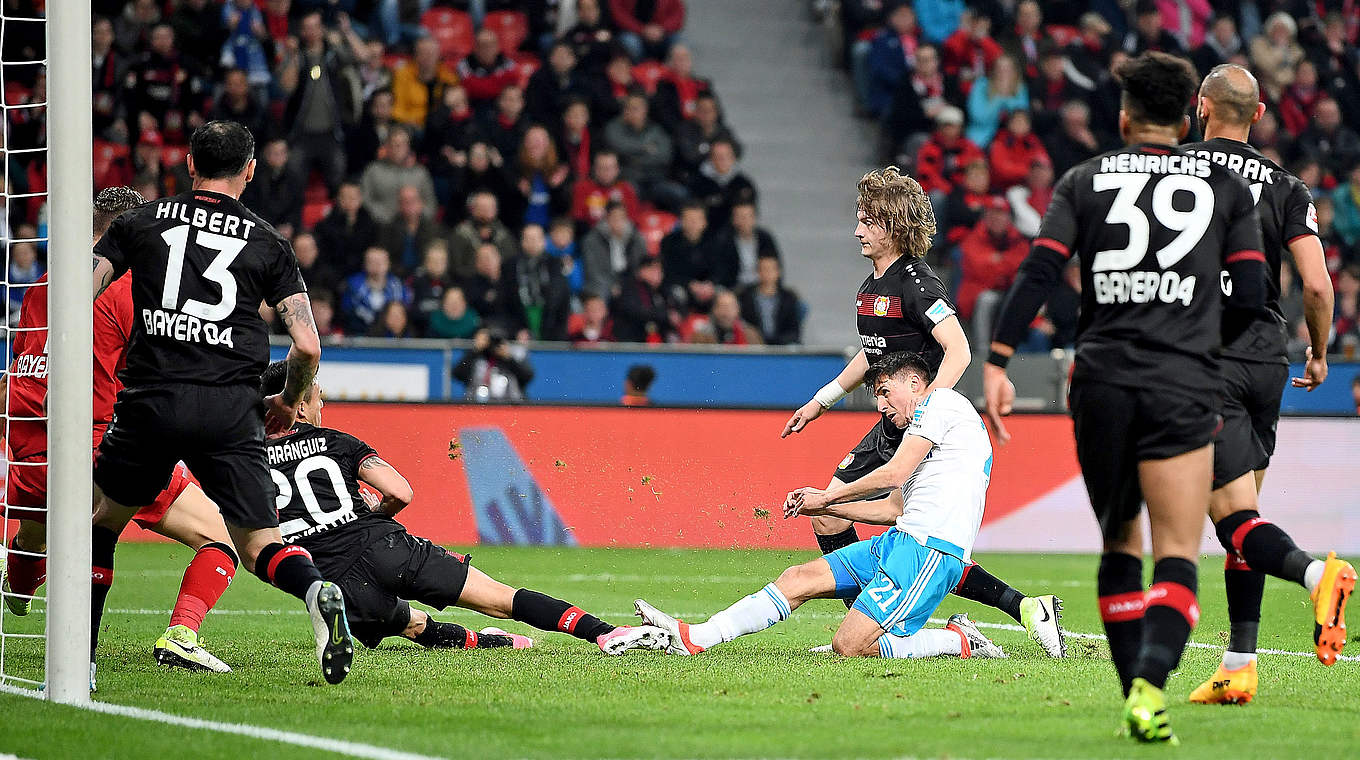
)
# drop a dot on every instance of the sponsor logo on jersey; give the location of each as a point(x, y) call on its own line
point(1312, 218)
point(846, 462)
point(881, 305)
point(1143, 287)
point(939, 311)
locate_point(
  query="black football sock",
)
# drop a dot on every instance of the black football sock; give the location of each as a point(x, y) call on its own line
point(549, 614)
point(979, 585)
point(1245, 588)
point(831, 542)
point(1264, 547)
point(1170, 614)
point(1119, 586)
point(439, 635)
point(288, 568)
point(102, 543)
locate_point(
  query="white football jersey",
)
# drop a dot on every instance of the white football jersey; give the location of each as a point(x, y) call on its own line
point(944, 498)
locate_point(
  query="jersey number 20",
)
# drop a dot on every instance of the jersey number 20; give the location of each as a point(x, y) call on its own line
point(302, 476)
point(227, 250)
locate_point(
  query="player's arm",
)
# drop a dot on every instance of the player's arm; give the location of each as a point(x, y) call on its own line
point(957, 355)
point(304, 357)
point(1318, 299)
point(889, 477)
point(872, 512)
point(1242, 257)
point(396, 491)
point(848, 379)
point(109, 261)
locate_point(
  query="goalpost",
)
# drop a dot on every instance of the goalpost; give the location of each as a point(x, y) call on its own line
point(62, 650)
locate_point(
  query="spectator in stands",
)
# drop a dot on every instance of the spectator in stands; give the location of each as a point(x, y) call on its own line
point(505, 125)
point(1089, 54)
point(107, 111)
point(1014, 150)
point(891, 55)
point(561, 246)
point(1335, 54)
point(645, 153)
point(575, 137)
point(636, 384)
point(410, 232)
point(493, 369)
point(939, 18)
point(134, 26)
point(970, 51)
point(486, 71)
point(610, 92)
point(740, 246)
point(967, 200)
point(1346, 322)
point(774, 309)
point(492, 291)
point(697, 298)
point(453, 319)
point(1346, 200)
point(320, 102)
point(429, 282)
point(1074, 141)
point(554, 84)
point(1276, 54)
point(687, 251)
point(1001, 91)
point(1149, 33)
point(679, 89)
point(590, 37)
point(394, 321)
point(1024, 41)
point(450, 130)
point(395, 169)
point(1030, 200)
point(318, 274)
point(722, 184)
point(238, 102)
point(367, 292)
point(723, 325)
point(24, 269)
point(276, 191)
point(164, 90)
point(940, 160)
point(592, 325)
point(991, 253)
point(647, 27)
point(543, 182)
point(695, 136)
point(1221, 44)
point(248, 46)
point(642, 314)
point(419, 83)
point(482, 226)
point(347, 230)
point(1051, 88)
point(372, 131)
point(371, 70)
point(483, 172)
point(610, 250)
point(543, 291)
point(323, 312)
point(1355, 393)
point(919, 98)
point(1332, 143)
point(1300, 98)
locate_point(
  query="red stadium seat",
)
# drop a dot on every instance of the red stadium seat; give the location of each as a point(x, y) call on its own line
point(313, 212)
point(112, 164)
point(173, 155)
point(452, 30)
point(655, 225)
point(511, 26)
point(316, 190)
point(526, 64)
point(648, 73)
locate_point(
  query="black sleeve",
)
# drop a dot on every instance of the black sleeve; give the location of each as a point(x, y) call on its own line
point(285, 278)
point(1242, 255)
point(1300, 216)
point(926, 302)
point(113, 244)
point(351, 452)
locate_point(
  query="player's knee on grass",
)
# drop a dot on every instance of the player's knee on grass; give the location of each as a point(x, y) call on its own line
point(857, 636)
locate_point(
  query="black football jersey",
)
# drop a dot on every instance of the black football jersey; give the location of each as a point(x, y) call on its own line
point(1153, 226)
point(316, 472)
point(1285, 208)
point(897, 311)
point(201, 264)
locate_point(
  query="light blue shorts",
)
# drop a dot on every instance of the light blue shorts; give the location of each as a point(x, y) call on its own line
point(894, 579)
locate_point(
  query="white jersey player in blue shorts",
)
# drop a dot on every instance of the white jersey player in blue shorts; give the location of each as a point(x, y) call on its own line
point(900, 577)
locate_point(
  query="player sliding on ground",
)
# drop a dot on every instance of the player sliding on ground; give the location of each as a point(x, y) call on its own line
point(898, 578)
point(903, 306)
point(380, 566)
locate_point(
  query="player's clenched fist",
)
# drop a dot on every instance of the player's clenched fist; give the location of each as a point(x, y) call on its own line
point(805, 414)
point(998, 395)
point(278, 414)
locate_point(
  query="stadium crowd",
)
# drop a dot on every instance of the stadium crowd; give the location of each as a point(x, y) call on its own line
point(987, 103)
point(516, 169)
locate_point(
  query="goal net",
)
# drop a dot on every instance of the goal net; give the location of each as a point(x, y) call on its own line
point(45, 225)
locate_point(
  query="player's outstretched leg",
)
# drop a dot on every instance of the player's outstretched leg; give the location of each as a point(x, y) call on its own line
point(1041, 615)
point(959, 637)
point(205, 580)
point(290, 569)
point(434, 634)
point(25, 568)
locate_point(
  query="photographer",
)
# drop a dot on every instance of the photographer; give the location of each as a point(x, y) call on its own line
point(494, 369)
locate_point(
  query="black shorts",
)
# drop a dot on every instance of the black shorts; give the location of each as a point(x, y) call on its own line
point(397, 567)
point(218, 431)
point(872, 452)
point(1251, 411)
point(1118, 427)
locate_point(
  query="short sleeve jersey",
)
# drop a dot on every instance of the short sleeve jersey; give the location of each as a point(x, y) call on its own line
point(1285, 208)
point(898, 311)
point(1153, 226)
point(316, 472)
point(201, 265)
point(945, 496)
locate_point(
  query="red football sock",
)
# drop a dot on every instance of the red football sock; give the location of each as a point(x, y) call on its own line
point(206, 578)
point(25, 573)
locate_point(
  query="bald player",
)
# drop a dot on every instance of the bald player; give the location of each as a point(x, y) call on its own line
point(1254, 372)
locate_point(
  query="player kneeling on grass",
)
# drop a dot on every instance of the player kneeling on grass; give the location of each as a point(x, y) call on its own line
point(379, 566)
point(900, 577)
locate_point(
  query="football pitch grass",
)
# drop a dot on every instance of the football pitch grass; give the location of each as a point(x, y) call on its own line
point(762, 696)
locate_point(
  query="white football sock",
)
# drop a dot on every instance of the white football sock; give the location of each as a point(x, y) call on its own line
point(1234, 660)
point(1313, 575)
point(927, 642)
point(750, 614)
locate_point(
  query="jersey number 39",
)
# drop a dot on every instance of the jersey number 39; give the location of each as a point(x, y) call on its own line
point(1121, 286)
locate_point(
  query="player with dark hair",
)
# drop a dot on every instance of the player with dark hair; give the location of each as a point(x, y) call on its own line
point(903, 306)
point(180, 512)
point(1255, 369)
point(636, 384)
point(201, 264)
point(1153, 225)
point(318, 472)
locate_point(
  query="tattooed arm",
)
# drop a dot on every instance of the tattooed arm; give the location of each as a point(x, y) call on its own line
point(103, 274)
point(303, 359)
point(396, 492)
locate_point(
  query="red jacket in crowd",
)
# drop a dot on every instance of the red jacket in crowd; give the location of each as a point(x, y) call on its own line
point(940, 167)
point(484, 83)
point(589, 199)
point(1011, 157)
point(669, 15)
point(989, 263)
point(960, 51)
